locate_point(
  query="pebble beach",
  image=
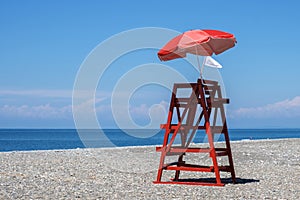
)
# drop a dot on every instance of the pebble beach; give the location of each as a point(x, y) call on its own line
point(265, 169)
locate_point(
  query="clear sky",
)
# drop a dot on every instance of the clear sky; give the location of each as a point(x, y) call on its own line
point(43, 44)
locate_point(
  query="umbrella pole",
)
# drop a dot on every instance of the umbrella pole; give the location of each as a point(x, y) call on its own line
point(198, 62)
point(202, 66)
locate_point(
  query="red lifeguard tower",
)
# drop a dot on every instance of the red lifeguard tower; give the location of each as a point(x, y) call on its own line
point(205, 98)
point(201, 108)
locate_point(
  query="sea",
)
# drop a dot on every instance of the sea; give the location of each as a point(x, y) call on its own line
point(56, 139)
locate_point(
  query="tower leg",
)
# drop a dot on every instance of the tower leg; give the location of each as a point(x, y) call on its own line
point(160, 168)
point(230, 160)
point(213, 153)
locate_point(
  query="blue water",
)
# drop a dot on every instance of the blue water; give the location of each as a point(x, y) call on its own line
point(47, 139)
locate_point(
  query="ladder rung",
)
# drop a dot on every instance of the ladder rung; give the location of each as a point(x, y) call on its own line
point(179, 150)
point(183, 150)
point(225, 168)
point(173, 127)
point(212, 102)
point(218, 100)
point(221, 149)
point(223, 153)
point(187, 167)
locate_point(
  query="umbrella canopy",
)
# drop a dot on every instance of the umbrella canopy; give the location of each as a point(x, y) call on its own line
point(198, 42)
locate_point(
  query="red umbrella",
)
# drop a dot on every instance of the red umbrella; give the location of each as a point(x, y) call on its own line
point(198, 42)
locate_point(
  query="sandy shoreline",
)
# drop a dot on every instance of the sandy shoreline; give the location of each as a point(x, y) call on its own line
point(266, 169)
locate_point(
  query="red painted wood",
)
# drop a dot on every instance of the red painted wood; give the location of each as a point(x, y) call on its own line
point(206, 95)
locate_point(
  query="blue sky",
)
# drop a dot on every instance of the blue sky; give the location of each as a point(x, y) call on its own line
point(43, 44)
